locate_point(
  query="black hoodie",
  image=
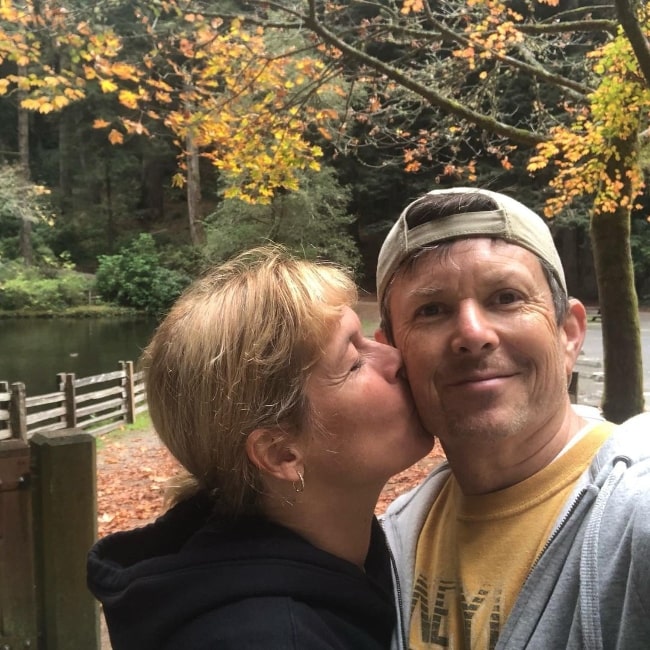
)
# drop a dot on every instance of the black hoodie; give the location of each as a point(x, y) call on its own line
point(193, 581)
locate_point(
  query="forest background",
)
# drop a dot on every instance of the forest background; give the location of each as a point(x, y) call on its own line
point(143, 140)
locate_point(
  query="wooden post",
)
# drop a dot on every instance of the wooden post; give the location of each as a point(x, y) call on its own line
point(573, 387)
point(65, 527)
point(5, 396)
point(70, 399)
point(18, 411)
point(129, 387)
point(18, 614)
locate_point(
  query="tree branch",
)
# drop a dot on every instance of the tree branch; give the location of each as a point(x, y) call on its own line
point(635, 35)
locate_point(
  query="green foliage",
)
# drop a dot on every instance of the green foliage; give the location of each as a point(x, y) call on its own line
point(22, 201)
point(136, 278)
point(45, 291)
point(312, 221)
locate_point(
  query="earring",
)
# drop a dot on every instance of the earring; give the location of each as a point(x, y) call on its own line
point(301, 487)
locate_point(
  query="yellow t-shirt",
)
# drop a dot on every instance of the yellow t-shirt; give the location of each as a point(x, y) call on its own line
point(474, 552)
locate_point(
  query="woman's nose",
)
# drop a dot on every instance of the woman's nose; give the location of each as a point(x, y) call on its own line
point(391, 362)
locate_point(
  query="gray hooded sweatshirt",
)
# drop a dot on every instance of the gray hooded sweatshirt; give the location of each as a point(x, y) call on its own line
point(590, 587)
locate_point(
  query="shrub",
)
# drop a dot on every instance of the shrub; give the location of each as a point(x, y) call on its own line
point(135, 277)
point(32, 289)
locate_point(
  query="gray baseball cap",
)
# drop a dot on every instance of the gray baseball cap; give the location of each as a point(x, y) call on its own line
point(511, 221)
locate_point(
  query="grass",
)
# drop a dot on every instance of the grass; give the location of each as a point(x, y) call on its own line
point(142, 423)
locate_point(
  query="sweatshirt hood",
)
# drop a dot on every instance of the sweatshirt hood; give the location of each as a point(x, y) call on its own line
point(153, 580)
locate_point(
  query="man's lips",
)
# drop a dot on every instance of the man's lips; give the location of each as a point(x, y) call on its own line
point(479, 378)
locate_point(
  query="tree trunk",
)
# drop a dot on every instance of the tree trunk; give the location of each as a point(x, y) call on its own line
point(66, 152)
point(193, 190)
point(26, 248)
point(610, 236)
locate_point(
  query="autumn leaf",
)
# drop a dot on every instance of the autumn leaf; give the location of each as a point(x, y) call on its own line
point(115, 137)
point(107, 85)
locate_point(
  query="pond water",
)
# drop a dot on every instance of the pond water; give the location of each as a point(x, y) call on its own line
point(34, 350)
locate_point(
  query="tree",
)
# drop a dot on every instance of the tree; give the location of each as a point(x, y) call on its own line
point(220, 92)
point(463, 60)
point(312, 221)
point(24, 201)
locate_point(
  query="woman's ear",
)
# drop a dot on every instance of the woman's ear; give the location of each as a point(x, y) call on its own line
point(271, 451)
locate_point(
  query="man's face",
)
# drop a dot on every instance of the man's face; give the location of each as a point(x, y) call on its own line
point(484, 357)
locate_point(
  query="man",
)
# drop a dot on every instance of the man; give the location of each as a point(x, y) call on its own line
point(536, 532)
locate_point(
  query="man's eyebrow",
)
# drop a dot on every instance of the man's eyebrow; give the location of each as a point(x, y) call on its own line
point(424, 292)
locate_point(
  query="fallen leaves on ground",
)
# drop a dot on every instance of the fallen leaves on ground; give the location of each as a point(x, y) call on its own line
point(133, 468)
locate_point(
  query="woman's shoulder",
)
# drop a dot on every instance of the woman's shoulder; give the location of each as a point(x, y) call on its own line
point(270, 623)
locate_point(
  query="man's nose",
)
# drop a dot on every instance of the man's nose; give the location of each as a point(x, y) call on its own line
point(474, 332)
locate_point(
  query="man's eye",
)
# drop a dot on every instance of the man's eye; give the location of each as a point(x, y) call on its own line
point(429, 310)
point(507, 297)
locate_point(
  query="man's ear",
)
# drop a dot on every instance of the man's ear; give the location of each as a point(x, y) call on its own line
point(271, 451)
point(575, 329)
point(380, 336)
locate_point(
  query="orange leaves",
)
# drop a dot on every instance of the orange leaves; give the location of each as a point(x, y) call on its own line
point(115, 137)
point(131, 475)
point(221, 83)
point(597, 153)
point(412, 6)
point(133, 470)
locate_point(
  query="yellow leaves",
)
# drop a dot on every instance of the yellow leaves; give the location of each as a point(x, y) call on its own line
point(107, 85)
point(178, 180)
point(129, 99)
point(99, 123)
point(30, 104)
point(60, 101)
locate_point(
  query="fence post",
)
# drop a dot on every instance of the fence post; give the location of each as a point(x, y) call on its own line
point(18, 613)
point(5, 396)
point(65, 526)
point(573, 387)
point(129, 387)
point(18, 411)
point(66, 382)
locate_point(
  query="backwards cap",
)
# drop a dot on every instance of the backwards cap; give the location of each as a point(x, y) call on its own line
point(511, 221)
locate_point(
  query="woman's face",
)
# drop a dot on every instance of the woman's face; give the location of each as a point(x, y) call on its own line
point(368, 427)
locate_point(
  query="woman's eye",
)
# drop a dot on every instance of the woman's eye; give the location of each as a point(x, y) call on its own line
point(356, 365)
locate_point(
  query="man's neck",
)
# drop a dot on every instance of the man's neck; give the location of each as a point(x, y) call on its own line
point(486, 466)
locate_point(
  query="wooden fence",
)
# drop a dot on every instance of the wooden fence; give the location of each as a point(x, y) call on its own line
point(48, 507)
point(94, 404)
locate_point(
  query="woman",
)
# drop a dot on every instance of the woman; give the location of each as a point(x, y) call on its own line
point(288, 422)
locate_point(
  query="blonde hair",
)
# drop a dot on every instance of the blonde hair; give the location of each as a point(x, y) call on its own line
point(233, 355)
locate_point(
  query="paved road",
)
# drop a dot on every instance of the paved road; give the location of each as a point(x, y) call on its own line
point(590, 363)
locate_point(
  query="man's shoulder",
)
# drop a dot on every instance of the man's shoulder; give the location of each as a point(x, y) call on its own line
point(632, 437)
point(420, 498)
